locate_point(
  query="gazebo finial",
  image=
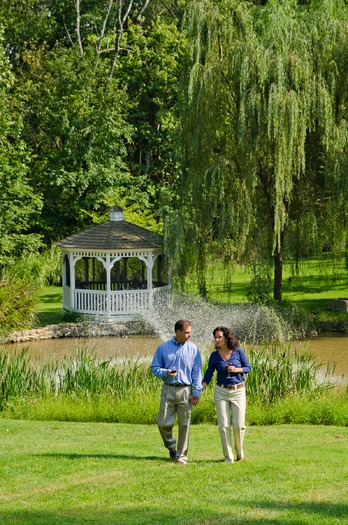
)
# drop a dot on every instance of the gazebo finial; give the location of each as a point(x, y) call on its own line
point(116, 213)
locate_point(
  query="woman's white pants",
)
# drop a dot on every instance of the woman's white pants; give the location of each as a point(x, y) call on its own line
point(227, 402)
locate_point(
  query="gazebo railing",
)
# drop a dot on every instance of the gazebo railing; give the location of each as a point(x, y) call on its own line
point(97, 302)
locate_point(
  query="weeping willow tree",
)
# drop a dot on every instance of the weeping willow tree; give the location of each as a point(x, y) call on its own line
point(264, 133)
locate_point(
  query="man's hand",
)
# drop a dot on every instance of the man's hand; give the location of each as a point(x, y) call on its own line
point(194, 400)
point(171, 373)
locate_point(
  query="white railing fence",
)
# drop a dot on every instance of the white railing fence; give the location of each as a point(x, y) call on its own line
point(113, 303)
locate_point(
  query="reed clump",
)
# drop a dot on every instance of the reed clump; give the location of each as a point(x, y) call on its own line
point(83, 387)
point(81, 375)
point(280, 372)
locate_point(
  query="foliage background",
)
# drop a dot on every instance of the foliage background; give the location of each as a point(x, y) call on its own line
point(220, 124)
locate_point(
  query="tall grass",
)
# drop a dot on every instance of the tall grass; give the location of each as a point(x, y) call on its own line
point(17, 305)
point(39, 268)
point(82, 387)
point(280, 372)
point(79, 375)
point(20, 281)
point(16, 377)
point(84, 375)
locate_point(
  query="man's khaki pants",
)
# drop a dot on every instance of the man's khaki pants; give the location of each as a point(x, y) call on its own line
point(225, 402)
point(175, 401)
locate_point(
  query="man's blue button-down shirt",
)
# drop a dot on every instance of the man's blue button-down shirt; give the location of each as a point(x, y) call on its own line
point(185, 358)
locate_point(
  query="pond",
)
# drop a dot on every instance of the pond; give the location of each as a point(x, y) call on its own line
point(327, 348)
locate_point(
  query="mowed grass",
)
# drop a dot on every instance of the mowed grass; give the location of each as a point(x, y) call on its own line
point(50, 304)
point(77, 473)
point(312, 285)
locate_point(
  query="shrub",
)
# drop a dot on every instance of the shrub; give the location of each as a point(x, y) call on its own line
point(39, 268)
point(17, 305)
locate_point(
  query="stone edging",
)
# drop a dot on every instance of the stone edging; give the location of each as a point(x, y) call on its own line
point(56, 331)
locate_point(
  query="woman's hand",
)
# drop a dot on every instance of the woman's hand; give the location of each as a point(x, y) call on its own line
point(233, 369)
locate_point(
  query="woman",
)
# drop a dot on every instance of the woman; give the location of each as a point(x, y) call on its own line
point(230, 363)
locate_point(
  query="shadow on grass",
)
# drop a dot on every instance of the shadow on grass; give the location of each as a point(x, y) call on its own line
point(313, 283)
point(314, 305)
point(50, 298)
point(53, 312)
point(118, 456)
point(319, 305)
point(186, 512)
point(100, 456)
point(49, 317)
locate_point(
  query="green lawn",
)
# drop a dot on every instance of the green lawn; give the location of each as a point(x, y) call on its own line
point(77, 473)
point(50, 306)
point(318, 281)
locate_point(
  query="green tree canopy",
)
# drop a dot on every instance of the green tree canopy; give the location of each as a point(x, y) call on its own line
point(97, 84)
point(76, 126)
point(19, 206)
point(264, 143)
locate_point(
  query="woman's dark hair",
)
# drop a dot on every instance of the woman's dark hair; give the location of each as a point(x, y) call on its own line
point(231, 341)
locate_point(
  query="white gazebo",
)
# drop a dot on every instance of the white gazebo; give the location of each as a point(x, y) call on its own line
point(114, 271)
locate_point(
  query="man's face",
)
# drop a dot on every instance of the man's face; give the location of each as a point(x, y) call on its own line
point(183, 336)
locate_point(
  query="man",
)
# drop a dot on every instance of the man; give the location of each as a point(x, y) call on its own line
point(178, 363)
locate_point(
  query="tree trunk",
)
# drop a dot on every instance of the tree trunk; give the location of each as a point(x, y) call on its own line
point(278, 276)
point(278, 269)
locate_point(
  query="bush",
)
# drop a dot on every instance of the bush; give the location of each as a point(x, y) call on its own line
point(19, 285)
point(331, 322)
point(39, 268)
point(17, 305)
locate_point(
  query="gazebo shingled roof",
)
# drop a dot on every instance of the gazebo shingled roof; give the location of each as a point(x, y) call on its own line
point(116, 234)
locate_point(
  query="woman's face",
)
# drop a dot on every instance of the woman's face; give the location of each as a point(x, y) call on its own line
point(220, 339)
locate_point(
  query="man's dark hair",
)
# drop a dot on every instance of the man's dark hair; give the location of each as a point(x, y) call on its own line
point(180, 325)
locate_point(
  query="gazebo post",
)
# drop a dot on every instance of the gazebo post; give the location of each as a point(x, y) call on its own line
point(150, 259)
point(72, 280)
point(65, 280)
point(93, 271)
point(125, 273)
point(108, 266)
point(86, 268)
